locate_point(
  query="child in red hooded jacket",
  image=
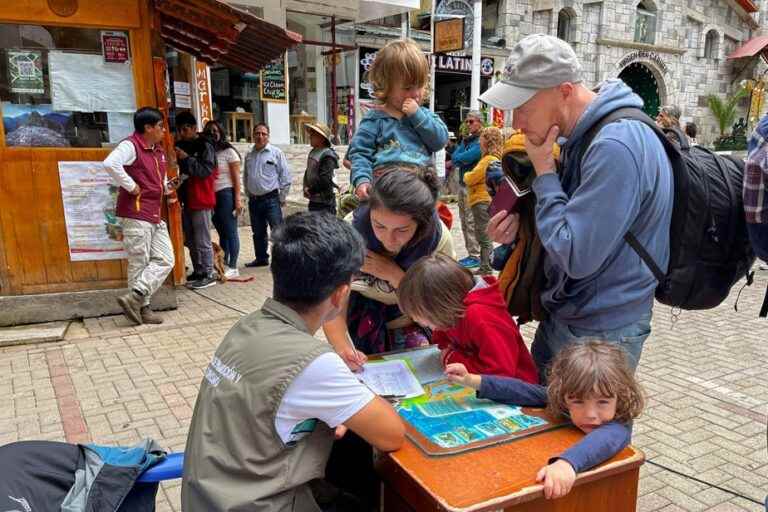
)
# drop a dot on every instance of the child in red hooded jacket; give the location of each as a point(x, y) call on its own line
point(468, 317)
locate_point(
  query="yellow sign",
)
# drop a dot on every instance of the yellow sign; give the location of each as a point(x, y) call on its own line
point(342, 119)
point(449, 35)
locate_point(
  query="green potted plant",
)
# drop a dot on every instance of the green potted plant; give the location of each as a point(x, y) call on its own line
point(725, 112)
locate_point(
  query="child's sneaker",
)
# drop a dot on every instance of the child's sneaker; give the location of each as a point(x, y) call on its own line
point(204, 282)
point(469, 262)
point(231, 272)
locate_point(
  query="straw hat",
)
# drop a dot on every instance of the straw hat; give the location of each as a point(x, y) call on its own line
point(321, 129)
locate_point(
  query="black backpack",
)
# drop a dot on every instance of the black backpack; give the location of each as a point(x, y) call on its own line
point(709, 246)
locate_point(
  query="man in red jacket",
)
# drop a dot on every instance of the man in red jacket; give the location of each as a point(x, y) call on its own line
point(138, 165)
point(197, 165)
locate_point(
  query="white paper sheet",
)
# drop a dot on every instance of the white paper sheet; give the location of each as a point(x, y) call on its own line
point(120, 125)
point(425, 362)
point(82, 82)
point(392, 378)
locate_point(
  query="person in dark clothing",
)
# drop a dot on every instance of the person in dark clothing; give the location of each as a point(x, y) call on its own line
point(592, 385)
point(197, 165)
point(322, 162)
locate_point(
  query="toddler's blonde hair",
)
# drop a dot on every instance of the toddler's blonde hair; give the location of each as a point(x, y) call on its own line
point(400, 62)
point(494, 142)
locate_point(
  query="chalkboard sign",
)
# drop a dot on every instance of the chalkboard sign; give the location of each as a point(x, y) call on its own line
point(274, 82)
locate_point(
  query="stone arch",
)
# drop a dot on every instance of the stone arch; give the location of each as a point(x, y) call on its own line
point(642, 75)
point(574, 11)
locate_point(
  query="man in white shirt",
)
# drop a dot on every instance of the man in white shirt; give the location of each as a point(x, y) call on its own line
point(138, 164)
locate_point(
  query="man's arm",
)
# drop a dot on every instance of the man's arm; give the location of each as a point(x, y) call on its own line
point(379, 425)
point(580, 233)
point(324, 179)
point(466, 154)
point(201, 166)
point(124, 154)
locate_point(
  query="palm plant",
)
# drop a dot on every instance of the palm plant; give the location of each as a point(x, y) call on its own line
point(725, 110)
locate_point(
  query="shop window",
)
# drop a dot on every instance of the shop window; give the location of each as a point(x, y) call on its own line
point(645, 23)
point(565, 25)
point(64, 86)
point(712, 45)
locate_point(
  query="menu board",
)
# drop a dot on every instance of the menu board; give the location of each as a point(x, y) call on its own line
point(274, 82)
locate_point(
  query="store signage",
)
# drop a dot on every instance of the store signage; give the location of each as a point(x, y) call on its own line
point(462, 65)
point(644, 55)
point(114, 46)
point(274, 82)
point(365, 61)
point(203, 92)
point(449, 35)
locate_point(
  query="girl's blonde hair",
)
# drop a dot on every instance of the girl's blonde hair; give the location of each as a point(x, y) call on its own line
point(433, 288)
point(594, 368)
point(494, 142)
point(400, 62)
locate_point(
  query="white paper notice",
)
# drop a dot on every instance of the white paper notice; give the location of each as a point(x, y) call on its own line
point(89, 195)
point(81, 82)
point(392, 378)
point(425, 362)
point(120, 125)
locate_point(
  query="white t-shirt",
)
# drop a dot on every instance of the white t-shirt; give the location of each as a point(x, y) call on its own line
point(223, 159)
point(325, 390)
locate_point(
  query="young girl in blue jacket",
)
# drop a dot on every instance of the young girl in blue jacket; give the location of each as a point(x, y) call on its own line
point(589, 383)
point(397, 132)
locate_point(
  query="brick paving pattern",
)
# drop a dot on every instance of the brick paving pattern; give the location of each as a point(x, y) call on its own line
point(111, 383)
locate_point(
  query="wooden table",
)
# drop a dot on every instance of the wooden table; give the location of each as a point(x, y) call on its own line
point(502, 477)
point(246, 118)
point(297, 122)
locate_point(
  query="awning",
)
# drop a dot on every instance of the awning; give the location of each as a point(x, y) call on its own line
point(750, 48)
point(217, 33)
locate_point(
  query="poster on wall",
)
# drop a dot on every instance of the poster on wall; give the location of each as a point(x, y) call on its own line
point(89, 194)
point(114, 46)
point(82, 82)
point(25, 71)
point(274, 82)
point(35, 126)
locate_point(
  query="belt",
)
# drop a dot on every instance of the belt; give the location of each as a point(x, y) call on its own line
point(268, 195)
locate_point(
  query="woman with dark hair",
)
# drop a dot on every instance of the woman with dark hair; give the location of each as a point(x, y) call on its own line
point(399, 225)
point(228, 203)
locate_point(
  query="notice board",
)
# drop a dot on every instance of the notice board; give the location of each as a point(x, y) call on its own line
point(274, 82)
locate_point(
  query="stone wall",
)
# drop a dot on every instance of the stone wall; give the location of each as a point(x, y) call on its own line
point(604, 36)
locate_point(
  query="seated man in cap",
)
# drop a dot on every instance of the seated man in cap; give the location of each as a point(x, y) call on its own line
point(595, 283)
point(322, 162)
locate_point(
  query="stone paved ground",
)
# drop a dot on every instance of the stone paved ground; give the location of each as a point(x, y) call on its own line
point(108, 382)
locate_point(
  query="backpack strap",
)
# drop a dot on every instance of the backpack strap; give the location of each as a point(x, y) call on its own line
point(672, 152)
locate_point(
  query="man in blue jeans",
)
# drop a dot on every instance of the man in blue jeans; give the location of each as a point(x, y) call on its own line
point(267, 179)
point(595, 286)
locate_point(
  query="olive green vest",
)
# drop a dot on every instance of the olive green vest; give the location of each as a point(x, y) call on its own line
point(234, 459)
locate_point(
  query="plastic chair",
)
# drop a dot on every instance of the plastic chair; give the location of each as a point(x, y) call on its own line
point(169, 469)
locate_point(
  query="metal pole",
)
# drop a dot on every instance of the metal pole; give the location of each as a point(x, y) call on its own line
point(334, 99)
point(432, 57)
point(477, 29)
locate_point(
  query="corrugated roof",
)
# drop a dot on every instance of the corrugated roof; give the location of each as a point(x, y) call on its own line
point(750, 48)
point(217, 33)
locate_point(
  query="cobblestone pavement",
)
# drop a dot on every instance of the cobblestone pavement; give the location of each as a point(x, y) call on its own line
point(704, 372)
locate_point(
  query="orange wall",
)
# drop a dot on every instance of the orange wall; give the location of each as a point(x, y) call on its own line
point(34, 253)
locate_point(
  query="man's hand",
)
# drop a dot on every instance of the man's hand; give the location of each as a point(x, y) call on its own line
point(557, 478)
point(136, 190)
point(541, 156)
point(339, 432)
point(354, 358)
point(362, 191)
point(503, 227)
point(181, 154)
point(410, 107)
